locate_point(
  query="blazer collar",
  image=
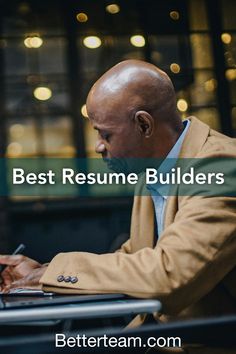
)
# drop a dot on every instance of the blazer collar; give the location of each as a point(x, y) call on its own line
point(195, 138)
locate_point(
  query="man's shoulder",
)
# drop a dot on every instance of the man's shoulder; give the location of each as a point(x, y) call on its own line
point(202, 141)
point(218, 143)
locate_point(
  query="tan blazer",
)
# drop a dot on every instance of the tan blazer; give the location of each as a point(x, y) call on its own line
point(191, 269)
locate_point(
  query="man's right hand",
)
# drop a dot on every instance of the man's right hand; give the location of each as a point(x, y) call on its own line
point(19, 269)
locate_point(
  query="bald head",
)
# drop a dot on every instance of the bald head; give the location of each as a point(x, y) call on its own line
point(137, 85)
point(133, 107)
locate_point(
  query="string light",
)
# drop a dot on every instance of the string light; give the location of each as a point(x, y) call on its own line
point(82, 17)
point(230, 74)
point(137, 40)
point(182, 105)
point(174, 15)
point(84, 111)
point(14, 149)
point(226, 38)
point(210, 85)
point(175, 68)
point(33, 42)
point(42, 93)
point(113, 8)
point(17, 130)
point(92, 42)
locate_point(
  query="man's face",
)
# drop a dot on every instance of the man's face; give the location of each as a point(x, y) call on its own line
point(118, 137)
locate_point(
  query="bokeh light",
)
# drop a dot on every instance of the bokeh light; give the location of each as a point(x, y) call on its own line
point(92, 42)
point(33, 42)
point(137, 40)
point(84, 111)
point(175, 68)
point(182, 105)
point(174, 15)
point(113, 8)
point(226, 38)
point(82, 17)
point(42, 93)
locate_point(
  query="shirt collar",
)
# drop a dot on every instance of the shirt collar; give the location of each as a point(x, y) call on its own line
point(169, 163)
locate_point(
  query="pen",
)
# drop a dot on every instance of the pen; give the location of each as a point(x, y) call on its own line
point(18, 250)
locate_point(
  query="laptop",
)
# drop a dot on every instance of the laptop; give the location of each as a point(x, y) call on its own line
point(22, 301)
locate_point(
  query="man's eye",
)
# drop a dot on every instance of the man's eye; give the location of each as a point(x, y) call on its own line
point(106, 137)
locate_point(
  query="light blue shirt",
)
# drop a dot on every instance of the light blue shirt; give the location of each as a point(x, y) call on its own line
point(158, 191)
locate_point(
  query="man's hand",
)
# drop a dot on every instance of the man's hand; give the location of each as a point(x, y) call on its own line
point(21, 271)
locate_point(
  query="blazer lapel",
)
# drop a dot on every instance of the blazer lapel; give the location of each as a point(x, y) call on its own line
point(142, 223)
point(194, 140)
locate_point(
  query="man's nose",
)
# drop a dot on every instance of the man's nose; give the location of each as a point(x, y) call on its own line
point(100, 147)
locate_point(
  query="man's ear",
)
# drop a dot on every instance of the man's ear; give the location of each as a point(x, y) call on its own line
point(144, 122)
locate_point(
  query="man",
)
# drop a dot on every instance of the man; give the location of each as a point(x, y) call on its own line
point(191, 268)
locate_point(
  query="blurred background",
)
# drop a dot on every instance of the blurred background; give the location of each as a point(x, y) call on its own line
point(51, 52)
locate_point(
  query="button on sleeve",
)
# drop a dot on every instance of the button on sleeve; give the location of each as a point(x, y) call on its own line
point(60, 278)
